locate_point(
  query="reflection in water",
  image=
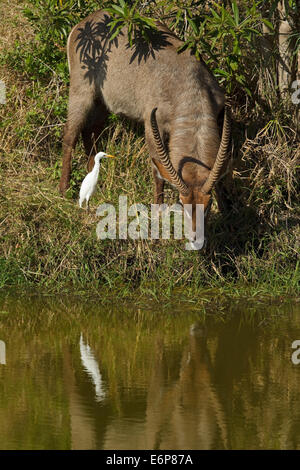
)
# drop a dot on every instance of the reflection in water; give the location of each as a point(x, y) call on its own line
point(91, 366)
point(2, 352)
point(168, 380)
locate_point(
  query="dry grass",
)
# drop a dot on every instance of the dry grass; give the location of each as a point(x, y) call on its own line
point(13, 25)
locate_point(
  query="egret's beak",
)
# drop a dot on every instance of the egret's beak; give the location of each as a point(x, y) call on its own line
point(110, 156)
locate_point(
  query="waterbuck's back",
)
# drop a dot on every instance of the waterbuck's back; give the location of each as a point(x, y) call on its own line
point(133, 80)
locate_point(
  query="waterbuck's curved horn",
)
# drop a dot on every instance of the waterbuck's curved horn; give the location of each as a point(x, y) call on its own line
point(221, 156)
point(164, 157)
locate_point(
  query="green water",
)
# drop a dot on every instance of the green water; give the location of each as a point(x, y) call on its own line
point(75, 375)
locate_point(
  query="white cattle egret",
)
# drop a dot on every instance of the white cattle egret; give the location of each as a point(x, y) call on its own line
point(88, 185)
point(91, 366)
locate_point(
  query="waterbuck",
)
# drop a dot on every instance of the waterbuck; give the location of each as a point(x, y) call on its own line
point(174, 95)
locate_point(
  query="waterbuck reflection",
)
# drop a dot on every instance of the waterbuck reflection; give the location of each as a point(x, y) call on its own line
point(175, 404)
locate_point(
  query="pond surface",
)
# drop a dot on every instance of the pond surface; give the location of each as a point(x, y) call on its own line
point(77, 375)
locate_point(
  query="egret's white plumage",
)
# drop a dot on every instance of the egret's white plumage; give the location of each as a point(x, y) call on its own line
point(88, 185)
point(91, 366)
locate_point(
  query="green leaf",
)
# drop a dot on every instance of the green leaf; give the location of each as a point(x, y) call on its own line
point(235, 10)
point(193, 25)
point(233, 33)
point(214, 43)
point(215, 14)
point(178, 17)
point(221, 72)
point(240, 79)
point(149, 21)
point(118, 9)
point(268, 24)
point(236, 48)
point(115, 33)
point(234, 65)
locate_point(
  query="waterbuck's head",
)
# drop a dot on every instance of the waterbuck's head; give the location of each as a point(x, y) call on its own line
point(200, 191)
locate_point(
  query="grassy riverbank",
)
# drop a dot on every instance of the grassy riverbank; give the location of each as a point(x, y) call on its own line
point(49, 243)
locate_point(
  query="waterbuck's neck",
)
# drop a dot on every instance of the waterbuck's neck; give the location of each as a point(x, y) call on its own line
point(194, 133)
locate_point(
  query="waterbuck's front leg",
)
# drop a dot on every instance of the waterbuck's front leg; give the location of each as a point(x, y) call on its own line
point(71, 133)
point(79, 108)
